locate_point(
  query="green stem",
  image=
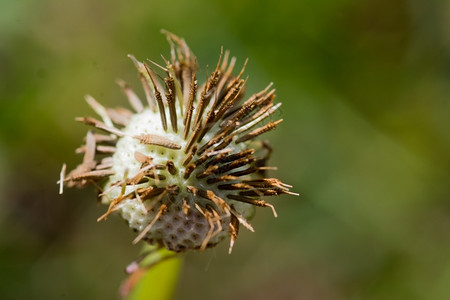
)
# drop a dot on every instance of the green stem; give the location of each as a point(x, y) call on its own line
point(160, 273)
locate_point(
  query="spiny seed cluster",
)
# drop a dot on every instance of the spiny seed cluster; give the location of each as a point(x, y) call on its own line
point(186, 170)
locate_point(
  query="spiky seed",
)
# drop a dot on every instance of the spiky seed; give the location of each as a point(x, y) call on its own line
point(259, 131)
point(100, 125)
point(142, 158)
point(157, 86)
point(170, 96)
point(189, 107)
point(153, 139)
point(171, 167)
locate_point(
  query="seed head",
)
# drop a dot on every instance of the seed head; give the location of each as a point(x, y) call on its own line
point(185, 169)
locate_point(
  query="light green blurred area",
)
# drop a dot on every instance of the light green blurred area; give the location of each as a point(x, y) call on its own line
point(365, 141)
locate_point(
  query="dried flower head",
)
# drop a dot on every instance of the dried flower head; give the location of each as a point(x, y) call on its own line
point(186, 170)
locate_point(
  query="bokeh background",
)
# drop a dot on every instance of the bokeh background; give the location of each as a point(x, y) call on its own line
point(366, 142)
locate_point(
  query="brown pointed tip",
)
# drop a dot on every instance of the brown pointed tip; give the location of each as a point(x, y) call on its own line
point(121, 82)
point(292, 193)
point(273, 209)
point(133, 58)
point(61, 178)
point(102, 217)
point(231, 246)
point(89, 99)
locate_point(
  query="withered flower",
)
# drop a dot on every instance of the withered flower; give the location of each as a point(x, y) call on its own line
point(186, 170)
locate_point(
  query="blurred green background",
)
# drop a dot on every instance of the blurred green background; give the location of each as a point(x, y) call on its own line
point(366, 142)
